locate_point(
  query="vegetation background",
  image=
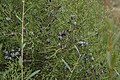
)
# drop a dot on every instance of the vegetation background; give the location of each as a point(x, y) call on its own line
point(63, 40)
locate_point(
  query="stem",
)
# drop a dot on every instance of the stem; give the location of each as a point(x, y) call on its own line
point(110, 48)
point(22, 40)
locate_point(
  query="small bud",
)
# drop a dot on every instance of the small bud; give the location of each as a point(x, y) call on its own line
point(12, 54)
point(75, 23)
point(8, 19)
point(82, 43)
point(31, 33)
point(60, 34)
point(12, 34)
point(17, 53)
point(60, 37)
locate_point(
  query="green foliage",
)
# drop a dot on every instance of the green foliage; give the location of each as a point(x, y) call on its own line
point(63, 39)
point(12, 72)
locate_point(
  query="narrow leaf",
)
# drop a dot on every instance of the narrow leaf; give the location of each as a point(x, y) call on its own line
point(24, 45)
point(77, 50)
point(67, 65)
point(117, 72)
point(18, 18)
point(33, 74)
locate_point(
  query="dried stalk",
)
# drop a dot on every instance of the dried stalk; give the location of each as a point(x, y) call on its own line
point(110, 49)
point(22, 36)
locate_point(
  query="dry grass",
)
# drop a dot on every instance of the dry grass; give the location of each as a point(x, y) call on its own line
point(112, 7)
point(116, 14)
